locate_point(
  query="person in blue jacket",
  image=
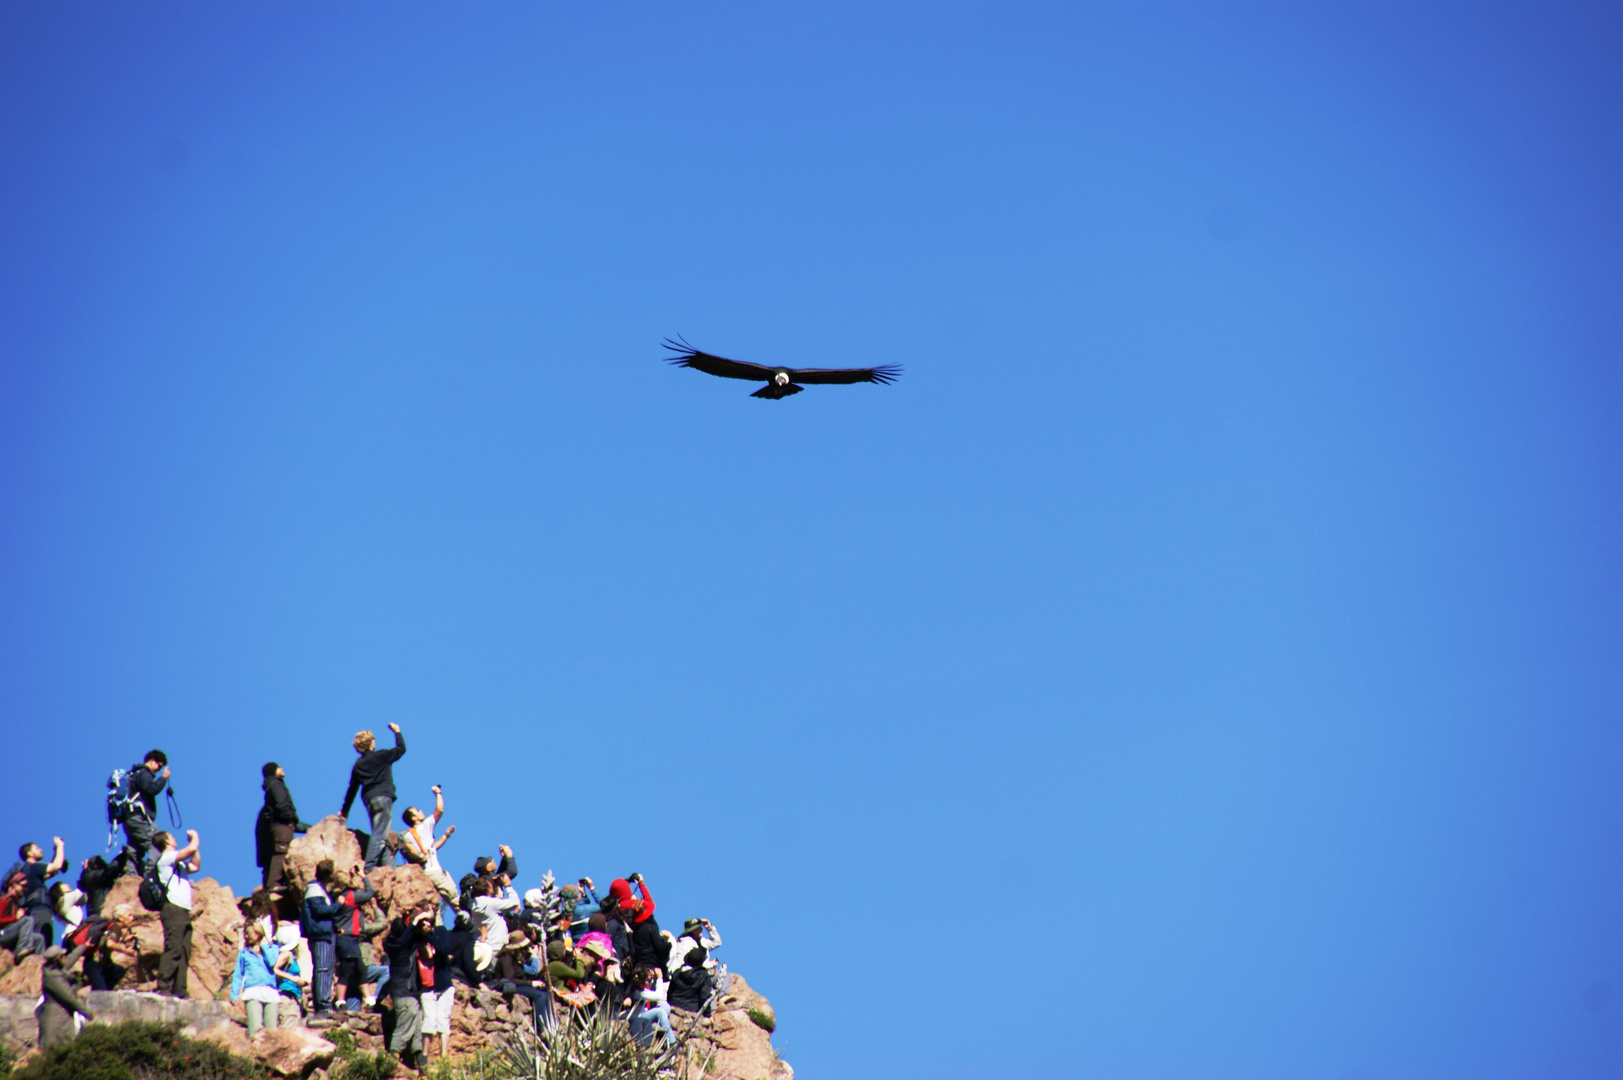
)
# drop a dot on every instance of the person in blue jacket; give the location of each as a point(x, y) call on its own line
point(254, 981)
point(319, 915)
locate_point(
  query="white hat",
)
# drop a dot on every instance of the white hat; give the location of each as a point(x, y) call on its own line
point(287, 935)
point(534, 898)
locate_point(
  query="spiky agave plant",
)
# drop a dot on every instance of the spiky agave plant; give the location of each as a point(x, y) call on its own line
point(588, 1044)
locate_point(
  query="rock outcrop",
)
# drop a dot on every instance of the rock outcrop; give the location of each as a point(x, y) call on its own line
point(731, 1045)
point(328, 838)
point(216, 932)
point(291, 1051)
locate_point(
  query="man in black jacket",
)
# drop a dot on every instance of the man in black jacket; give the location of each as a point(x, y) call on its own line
point(373, 777)
point(147, 781)
point(278, 822)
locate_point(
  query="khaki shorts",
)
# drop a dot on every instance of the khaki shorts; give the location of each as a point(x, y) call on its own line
point(437, 1011)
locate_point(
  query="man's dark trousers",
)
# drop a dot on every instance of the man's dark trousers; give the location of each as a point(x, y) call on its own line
point(177, 949)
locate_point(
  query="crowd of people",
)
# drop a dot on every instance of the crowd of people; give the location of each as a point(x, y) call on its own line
point(564, 949)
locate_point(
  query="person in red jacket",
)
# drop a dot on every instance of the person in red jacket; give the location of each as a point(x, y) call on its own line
point(17, 931)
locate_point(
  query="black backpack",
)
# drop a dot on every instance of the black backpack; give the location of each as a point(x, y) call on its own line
point(151, 892)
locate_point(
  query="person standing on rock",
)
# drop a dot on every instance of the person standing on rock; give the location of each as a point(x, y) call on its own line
point(254, 981)
point(36, 897)
point(411, 967)
point(373, 776)
point(421, 847)
point(175, 867)
point(147, 781)
point(320, 914)
point(278, 822)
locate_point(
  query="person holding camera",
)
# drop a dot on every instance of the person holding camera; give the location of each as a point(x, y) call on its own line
point(175, 867)
point(420, 847)
point(411, 968)
point(373, 776)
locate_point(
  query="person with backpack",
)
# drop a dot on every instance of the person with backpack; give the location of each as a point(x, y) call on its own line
point(276, 825)
point(373, 776)
point(133, 803)
point(36, 896)
point(103, 938)
point(173, 872)
point(419, 846)
point(348, 927)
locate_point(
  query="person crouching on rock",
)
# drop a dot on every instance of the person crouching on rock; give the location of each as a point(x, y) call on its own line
point(421, 848)
point(254, 981)
point(175, 867)
point(411, 967)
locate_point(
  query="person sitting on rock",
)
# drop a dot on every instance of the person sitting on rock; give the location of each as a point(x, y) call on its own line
point(58, 1002)
point(411, 967)
point(276, 826)
point(17, 931)
point(420, 847)
point(175, 867)
point(253, 982)
point(38, 872)
point(348, 925)
point(648, 1005)
point(571, 971)
point(519, 972)
point(691, 988)
point(373, 776)
point(320, 912)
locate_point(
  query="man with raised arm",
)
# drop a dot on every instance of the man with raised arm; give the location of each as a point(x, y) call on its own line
point(421, 847)
point(373, 776)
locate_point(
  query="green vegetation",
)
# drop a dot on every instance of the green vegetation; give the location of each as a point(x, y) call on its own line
point(137, 1051)
point(592, 1046)
point(352, 1064)
point(763, 1020)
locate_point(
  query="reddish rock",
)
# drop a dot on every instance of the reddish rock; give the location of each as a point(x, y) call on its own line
point(738, 1048)
point(216, 934)
point(24, 979)
point(329, 838)
point(403, 888)
point(228, 1037)
point(291, 1051)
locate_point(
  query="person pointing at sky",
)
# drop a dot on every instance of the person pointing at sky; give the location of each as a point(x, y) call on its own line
point(373, 776)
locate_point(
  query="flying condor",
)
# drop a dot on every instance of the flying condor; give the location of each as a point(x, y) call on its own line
point(780, 381)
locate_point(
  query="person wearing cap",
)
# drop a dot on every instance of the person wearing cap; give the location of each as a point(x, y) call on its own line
point(58, 1002)
point(647, 945)
point(276, 826)
point(147, 782)
point(696, 933)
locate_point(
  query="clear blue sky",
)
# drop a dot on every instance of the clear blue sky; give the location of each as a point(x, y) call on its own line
point(1204, 662)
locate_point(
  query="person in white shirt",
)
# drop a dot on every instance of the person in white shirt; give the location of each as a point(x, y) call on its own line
point(490, 905)
point(175, 865)
point(421, 848)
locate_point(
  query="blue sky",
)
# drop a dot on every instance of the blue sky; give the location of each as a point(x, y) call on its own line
point(1203, 663)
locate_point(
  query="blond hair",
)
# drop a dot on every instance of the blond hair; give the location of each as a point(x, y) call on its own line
point(253, 933)
point(365, 740)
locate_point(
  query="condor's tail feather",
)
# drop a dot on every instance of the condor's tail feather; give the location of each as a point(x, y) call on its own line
point(774, 391)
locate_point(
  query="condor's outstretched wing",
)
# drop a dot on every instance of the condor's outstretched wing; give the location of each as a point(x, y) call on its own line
point(885, 373)
point(688, 356)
